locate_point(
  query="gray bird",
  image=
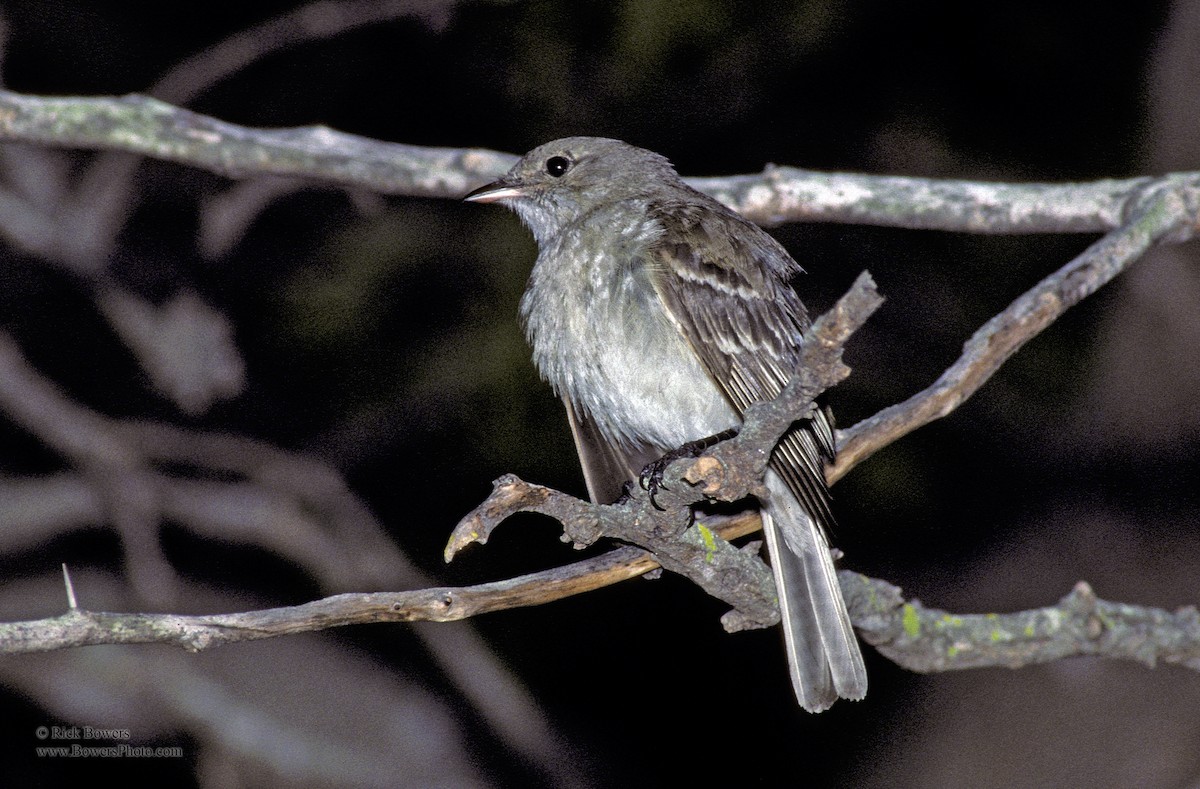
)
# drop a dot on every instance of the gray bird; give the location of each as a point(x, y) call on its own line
point(659, 315)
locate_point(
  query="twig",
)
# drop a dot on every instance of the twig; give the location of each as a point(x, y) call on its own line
point(72, 603)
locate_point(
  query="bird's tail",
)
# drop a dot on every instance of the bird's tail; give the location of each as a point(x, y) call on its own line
point(823, 652)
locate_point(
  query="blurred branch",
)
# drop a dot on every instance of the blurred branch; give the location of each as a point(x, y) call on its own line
point(136, 475)
point(225, 217)
point(185, 346)
point(313, 22)
point(118, 476)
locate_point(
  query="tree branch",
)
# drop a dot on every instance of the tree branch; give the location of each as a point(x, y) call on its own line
point(929, 640)
point(1143, 211)
point(149, 127)
point(915, 637)
point(1167, 210)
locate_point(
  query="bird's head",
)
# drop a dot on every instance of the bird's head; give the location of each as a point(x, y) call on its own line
point(558, 182)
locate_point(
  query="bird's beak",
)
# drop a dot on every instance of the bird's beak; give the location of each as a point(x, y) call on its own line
point(493, 192)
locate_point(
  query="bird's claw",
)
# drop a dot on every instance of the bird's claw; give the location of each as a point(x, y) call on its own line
point(651, 478)
point(626, 494)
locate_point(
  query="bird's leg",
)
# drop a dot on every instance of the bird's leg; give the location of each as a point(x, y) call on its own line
point(651, 478)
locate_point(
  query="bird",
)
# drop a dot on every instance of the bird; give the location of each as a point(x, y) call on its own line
point(658, 316)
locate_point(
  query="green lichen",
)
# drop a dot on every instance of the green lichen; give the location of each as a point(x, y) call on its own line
point(912, 622)
point(948, 620)
point(710, 542)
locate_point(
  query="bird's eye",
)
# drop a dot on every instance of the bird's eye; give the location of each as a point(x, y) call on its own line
point(557, 165)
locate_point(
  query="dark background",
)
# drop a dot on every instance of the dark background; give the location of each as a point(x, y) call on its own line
point(380, 337)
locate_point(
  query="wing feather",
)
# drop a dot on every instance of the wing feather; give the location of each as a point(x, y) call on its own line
point(606, 467)
point(725, 283)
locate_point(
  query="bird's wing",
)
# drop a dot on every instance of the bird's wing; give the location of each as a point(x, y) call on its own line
point(606, 468)
point(724, 282)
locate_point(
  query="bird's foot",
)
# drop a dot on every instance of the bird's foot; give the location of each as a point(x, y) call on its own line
point(651, 478)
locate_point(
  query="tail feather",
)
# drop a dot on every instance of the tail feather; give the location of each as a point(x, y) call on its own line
point(823, 653)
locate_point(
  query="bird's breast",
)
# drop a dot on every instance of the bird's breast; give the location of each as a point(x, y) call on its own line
point(602, 337)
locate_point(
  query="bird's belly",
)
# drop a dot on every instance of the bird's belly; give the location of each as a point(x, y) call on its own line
point(639, 379)
point(660, 395)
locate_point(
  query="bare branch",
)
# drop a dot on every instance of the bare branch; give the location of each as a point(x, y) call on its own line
point(79, 627)
point(790, 194)
point(915, 637)
point(149, 127)
point(146, 126)
point(1165, 213)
